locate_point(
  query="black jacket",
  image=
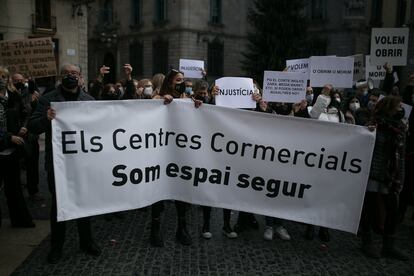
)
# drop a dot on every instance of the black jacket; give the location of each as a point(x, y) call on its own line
point(38, 122)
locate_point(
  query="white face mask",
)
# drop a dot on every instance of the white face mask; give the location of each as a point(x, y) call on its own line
point(148, 91)
point(338, 100)
point(354, 106)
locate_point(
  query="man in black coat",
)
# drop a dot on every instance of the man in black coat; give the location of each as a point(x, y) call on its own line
point(40, 121)
point(11, 143)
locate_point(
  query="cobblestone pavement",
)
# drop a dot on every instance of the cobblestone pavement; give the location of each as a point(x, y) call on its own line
point(126, 250)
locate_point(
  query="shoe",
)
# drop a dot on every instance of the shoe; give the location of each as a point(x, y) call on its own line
point(268, 233)
point(252, 222)
point(309, 233)
point(28, 224)
point(283, 233)
point(205, 232)
point(54, 255)
point(370, 251)
point(228, 232)
point(36, 197)
point(91, 248)
point(239, 227)
point(324, 234)
point(390, 251)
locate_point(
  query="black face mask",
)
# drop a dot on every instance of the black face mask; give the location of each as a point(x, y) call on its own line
point(70, 82)
point(399, 115)
point(180, 87)
point(19, 86)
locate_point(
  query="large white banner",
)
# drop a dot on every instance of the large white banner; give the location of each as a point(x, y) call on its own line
point(235, 92)
point(305, 170)
point(192, 68)
point(338, 71)
point(285, 87)
point(389, 45)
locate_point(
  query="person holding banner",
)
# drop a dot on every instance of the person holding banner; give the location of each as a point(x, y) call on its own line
point(11, 142)
point(172, 87)
point(386, 176)
point(40, 122)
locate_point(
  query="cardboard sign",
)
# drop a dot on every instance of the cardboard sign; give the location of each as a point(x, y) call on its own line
point(192, 68)
point(235, 92)
point(30, 57)
point(389, 45)
point(358, 67)
point(285, 87)
point(298, 65)
point(374, 72)
point(338, 71)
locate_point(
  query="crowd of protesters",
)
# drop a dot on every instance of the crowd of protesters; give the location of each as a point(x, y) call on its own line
point(25, 114)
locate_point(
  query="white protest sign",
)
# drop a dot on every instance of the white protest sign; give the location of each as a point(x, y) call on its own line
point(407, 110)
point(389, 45)
point(224, 163)
point(298, 65)
point(374, 72)
point(192, 68)
point(358, 67)
point(338, 71)
point(285, 87)
point(235, 92)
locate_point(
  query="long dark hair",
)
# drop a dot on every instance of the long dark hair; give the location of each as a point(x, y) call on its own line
point(166, 87)
point(386, 108)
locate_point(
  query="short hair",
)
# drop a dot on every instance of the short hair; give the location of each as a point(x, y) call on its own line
point(64, 65)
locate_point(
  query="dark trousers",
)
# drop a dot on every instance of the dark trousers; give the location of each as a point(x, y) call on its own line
point(58, 229)
point(391, 212)
point(10, 176)
point(32, 164)
point(158, 207)
point(207, 214)
point(271, 221)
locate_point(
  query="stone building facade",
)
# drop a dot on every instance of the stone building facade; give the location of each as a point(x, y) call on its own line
point(153, 35)
point(65, 21)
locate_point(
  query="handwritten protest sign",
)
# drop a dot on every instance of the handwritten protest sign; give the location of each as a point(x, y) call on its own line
point(389, 45)
point(298, 65)
point(284, 87)
point(374, 72)
point(358, 66)
point(30, 57)
point(192, 68)
point(338, 71)
point(235, 92)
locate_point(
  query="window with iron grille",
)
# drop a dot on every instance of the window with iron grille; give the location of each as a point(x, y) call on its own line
point(136, 58)
point(215, 11)
point(160, 10)
point(160, 57)
point(136, 12)
point(215, 57)
point(43, 14)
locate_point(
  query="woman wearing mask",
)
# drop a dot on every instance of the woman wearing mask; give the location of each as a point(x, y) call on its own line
point(351, 107)
point(327, 107)
point(172, 87)
point(146, 88)
point(386, 175)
